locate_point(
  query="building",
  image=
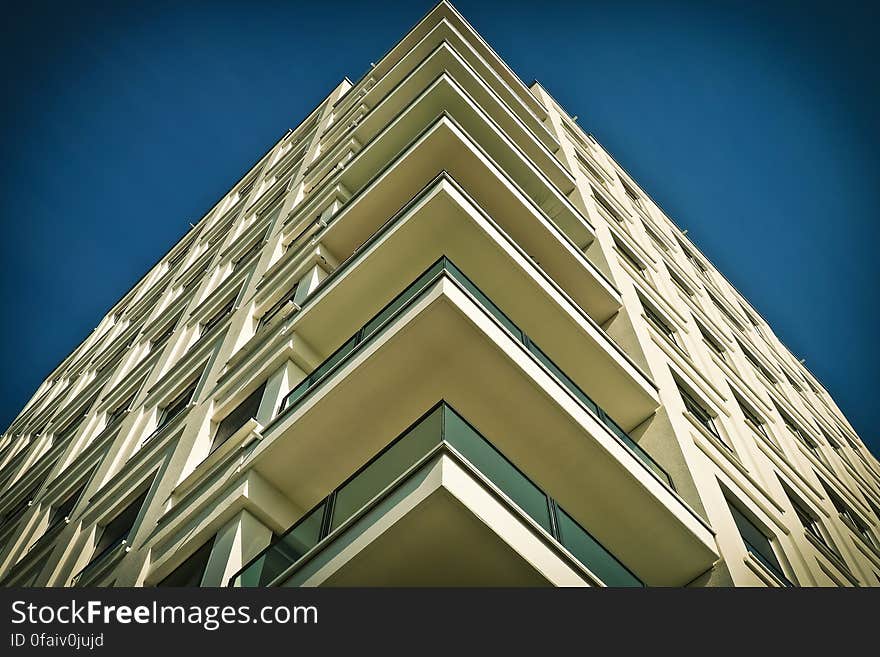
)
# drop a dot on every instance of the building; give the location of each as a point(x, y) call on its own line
point(435, 335)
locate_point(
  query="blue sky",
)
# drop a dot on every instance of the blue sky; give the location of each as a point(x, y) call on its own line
point(753, 126)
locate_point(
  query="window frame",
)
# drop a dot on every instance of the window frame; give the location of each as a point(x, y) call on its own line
point(701, 413)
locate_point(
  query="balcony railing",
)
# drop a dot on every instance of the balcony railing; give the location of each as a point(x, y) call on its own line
point(445, 267)
point(441, 428)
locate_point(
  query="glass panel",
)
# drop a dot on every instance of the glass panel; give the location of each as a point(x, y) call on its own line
point(563, 378)
point(334, 360)
point(756, 542)
point(410, 292)
point(370, 481)
point(484, 300)
point(238, 416)
point(402, 299)
point(634, 446)
point(300, 390)
point(64, 509)
point(191, 571)
point(369, 328)
point(287, 551)
point(441, 424)
point(591, 553)
point(294, 395)
point(497, 468)
point(119, 527)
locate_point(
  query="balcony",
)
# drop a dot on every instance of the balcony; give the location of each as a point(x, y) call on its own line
point(445, 61)
point(443, 130)
point(446, 97)
point(445, 25)
point(444, 266)
point(443, 221)
point(445, 339)
point(440, 430)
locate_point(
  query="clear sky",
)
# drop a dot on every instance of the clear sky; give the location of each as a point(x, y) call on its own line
point(752, 125)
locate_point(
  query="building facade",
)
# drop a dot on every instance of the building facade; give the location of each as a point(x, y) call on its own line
point(436, 335)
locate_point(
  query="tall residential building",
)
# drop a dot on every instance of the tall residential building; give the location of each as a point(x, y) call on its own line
point(435, 335)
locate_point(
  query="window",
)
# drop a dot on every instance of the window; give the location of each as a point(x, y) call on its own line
point(229, 216)
point(694, 261)
point(177, 259)
point(850, 518)
point(752, 418)
point(245, 189)
point(173, 408)
point(754, 322)
point(723, 310)
point(632, 195)
point(794, 384)
point(753, 360)
point(216, 318)
point(873, 506)
point(245, 257)
point(114, 359)
point(270, 220)
point(61, 512)
point(808, 520)
point(116, 414)
point(13, 463)
point(23, 573)
point(69, 429)
point(606, 206)
point(831, 441)
point(658, 322)
point(162, 338)
point(179, 256)
point(658, 241)
point(112, 534)
point(147, 307)
point(195, 279)
point(191, 571)
point(713, 344)
point(285, 169)
point(590, 169)
point(279, 305)
point(271, 204)
point(630, 257)
point(23, 504)
point(758, 544)
point(797, 432)
point(680, 284)
point(699, 412)
point(237, 417)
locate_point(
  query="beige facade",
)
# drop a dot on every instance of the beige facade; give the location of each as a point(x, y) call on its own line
point(436, 335)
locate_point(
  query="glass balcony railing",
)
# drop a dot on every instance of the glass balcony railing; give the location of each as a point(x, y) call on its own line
point(440, 428)
point(444, 266)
